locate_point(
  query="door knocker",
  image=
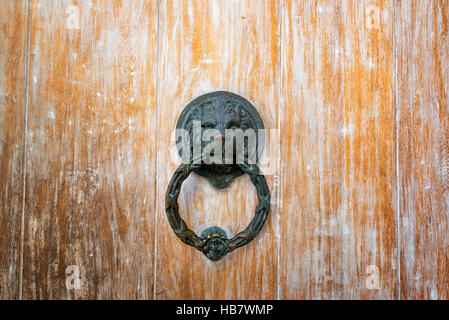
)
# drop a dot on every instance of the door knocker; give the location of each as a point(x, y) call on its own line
point(218, 121)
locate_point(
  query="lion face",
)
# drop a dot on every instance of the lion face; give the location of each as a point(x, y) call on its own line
point(217, 125)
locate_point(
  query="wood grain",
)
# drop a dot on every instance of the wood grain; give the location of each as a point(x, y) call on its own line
point(13, 39)
point(338, 159)
point(208, 46)
point(91, 157)
point(359, 176)
point(422, 37)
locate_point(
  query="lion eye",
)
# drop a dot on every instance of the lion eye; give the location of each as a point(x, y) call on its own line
point(232, 125)
point(207, 125)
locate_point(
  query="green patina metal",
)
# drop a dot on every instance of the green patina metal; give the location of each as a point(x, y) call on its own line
point(219, 110)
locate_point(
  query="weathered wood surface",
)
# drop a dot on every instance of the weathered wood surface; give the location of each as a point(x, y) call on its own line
point(360, 170)
point(209, 46)
point(91, 150)
point(422, 37)
point(13, 40)
point(338, 159)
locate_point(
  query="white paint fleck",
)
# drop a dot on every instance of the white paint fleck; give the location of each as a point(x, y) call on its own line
point(433, 294)
point(347, 130)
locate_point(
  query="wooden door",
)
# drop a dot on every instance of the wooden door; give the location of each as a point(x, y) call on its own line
point(357, 91)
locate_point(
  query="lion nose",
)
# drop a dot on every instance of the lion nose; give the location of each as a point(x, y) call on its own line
point(222, 131)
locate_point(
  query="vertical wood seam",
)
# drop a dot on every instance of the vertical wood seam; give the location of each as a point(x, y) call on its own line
point(397, 123)
point(155, 206)
point(76, 115)
point(279, 162)
point(24, 145)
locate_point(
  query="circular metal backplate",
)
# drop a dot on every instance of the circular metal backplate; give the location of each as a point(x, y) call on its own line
point(215, 108)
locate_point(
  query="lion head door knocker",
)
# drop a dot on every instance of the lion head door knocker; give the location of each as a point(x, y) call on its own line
point(220, 136)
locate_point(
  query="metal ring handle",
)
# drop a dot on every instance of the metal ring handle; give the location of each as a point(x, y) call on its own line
point(213, 241)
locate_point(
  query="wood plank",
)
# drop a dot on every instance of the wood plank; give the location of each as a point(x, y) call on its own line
point(13, 40)
point(204, 47)
point(337, 146)
point(90, 169)
point(422, 39)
